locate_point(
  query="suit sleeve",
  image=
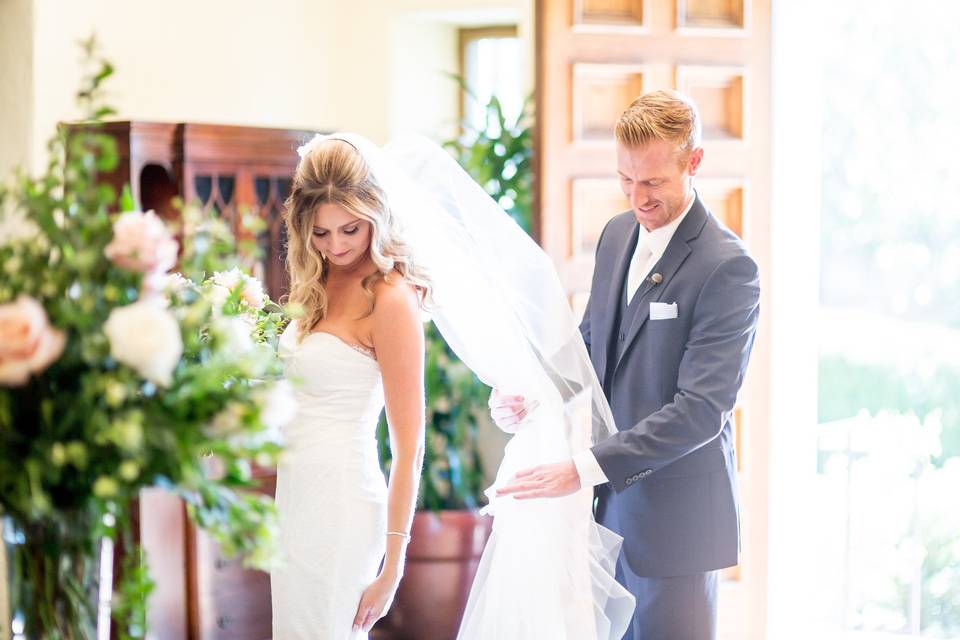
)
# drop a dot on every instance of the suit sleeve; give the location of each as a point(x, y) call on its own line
point(711, 371)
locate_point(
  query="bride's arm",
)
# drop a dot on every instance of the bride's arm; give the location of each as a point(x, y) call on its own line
point(397, 337)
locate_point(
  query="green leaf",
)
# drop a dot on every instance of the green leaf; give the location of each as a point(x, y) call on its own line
point(127, 202)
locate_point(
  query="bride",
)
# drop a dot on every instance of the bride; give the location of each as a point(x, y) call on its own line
point(376, 235)
point(359, 344)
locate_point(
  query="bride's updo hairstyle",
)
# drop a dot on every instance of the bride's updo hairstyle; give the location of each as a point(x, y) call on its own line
point(333, 171)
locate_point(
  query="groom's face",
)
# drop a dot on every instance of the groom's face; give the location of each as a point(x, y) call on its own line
point(657, 180)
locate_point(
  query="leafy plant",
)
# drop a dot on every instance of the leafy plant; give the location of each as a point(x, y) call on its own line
point(499, 156)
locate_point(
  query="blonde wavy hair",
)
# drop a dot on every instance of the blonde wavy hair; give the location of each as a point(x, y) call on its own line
point(335, 172)
point(661, 115)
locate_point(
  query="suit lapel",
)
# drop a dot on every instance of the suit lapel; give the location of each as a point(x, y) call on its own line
point(605, 328)
point(676, 253)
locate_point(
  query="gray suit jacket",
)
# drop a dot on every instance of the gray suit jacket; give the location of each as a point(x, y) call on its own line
point(672, 388)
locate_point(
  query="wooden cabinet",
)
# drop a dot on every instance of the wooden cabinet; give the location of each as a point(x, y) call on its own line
point(227, 601)
point(231, 171)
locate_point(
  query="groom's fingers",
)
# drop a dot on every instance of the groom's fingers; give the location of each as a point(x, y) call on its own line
point(511, 413)
point(498, 399)
point(515, 487)
point(531, 483)
point(528, 495)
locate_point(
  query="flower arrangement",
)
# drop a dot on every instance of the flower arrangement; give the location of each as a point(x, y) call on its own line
point(116, 375)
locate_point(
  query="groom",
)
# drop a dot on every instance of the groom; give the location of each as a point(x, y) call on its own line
point(669, 327)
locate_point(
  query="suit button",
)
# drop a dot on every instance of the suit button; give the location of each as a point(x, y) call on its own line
point(623, 337)
point(629, 481)
point(647, 472)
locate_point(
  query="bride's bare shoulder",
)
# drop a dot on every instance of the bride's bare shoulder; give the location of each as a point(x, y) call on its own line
point(392, 294)
point(396, 327)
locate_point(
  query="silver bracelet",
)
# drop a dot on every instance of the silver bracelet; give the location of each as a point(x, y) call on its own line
point(405, 536)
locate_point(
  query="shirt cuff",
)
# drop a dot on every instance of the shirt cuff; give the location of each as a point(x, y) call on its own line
point(589, 469)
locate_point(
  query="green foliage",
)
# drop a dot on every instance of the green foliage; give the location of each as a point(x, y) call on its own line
point(83, 436)
point(499, 157)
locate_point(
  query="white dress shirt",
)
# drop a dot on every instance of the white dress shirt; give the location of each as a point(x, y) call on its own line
point(650, 245)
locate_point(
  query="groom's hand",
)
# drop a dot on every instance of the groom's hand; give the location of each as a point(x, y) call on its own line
point(545, 481)
point(508, 412)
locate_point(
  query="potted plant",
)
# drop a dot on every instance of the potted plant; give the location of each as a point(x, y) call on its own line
point(449, 534)
point(117, 375)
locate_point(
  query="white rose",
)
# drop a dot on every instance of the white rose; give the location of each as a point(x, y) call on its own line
point(217, 296)
point(146, 337)
point(229, 279)
point(175, 283)
point(236, 333)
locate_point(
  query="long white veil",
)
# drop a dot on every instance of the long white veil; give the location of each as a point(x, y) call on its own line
point(548, 568)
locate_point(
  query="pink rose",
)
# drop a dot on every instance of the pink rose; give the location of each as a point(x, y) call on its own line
point(28, 344)
point(141, 242)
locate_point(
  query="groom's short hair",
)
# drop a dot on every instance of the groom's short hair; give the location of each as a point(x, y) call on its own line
point(660, 115)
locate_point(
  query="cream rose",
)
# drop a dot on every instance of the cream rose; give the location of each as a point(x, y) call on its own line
point(176, 283)
point(146, 337)
point(228, 279)
point(28, 344)
point(236, 332)
point(251, 292)
point(141, 242)
point(15, 226)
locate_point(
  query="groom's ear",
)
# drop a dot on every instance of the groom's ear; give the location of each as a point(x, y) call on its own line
point(693, 161)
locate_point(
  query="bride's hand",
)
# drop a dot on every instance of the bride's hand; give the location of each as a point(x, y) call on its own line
point(375, 602)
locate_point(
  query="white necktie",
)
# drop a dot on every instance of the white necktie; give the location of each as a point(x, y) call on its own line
point(638, 266)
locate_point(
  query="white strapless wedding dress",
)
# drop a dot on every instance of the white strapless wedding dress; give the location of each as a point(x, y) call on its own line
point(331, 495)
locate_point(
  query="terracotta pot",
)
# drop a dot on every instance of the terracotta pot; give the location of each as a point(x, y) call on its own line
point(442, 560)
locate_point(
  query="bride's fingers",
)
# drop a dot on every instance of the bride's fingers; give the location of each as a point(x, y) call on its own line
point(363, 611)
point(368, 621)
point(526, 472)
point(360, 617)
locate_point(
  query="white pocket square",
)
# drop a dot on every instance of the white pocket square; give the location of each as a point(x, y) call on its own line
point(663, 311)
